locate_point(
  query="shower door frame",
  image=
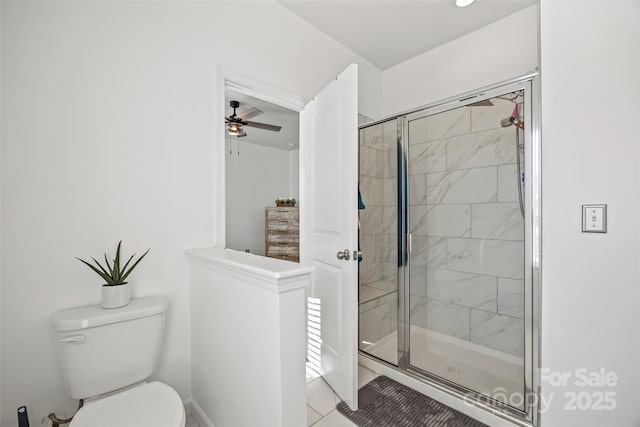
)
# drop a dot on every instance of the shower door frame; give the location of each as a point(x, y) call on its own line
point(532, 256)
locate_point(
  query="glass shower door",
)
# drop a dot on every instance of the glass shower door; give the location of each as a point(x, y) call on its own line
point(378, 269)
point(467, 261)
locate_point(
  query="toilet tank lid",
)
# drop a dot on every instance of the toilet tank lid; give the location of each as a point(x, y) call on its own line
point(94, 315)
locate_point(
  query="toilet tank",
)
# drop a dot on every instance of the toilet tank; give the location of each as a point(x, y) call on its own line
point(101, 350)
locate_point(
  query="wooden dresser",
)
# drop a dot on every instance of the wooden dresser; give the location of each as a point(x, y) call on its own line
point(282, 233)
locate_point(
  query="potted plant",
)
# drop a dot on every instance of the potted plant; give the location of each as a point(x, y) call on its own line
point(116, 292)
point(285, 202)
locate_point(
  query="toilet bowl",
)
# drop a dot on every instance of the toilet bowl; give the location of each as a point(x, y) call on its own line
point(106, 356)
point(148, 404)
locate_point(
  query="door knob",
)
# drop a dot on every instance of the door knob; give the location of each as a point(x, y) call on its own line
point(345, 255)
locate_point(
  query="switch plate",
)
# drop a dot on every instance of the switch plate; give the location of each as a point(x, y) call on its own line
point(594, 218)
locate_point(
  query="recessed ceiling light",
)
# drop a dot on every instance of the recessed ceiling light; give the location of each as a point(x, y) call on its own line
point(463, 3)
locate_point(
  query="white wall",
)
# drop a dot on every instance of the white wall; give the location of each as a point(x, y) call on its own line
point(107, 135)
point(503, 50)
point(590, 62)
point(1, 210)
point(254, 179)
point(294, 174)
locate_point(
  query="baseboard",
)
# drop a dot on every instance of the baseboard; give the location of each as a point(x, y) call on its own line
point(198, 414)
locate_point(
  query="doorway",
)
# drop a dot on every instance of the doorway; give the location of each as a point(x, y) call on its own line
point(262, 168)
point(328, 218)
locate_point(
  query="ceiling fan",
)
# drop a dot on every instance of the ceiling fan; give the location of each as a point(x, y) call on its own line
point(236, 122)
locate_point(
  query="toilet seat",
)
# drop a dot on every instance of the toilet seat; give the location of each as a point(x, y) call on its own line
point(154, 405)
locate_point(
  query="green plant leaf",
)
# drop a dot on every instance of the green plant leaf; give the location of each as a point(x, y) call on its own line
point(108, 265)
point(116, 262)
point(126, 264)
point(106, 277)
point(99, 265)
point(114, 274)
point(134, 265)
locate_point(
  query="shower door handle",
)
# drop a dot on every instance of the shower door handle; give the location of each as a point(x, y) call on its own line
point(345, 255)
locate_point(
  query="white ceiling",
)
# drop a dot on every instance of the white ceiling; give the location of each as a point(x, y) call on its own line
point(385, 32)
point(388, 32)
point(286, 139)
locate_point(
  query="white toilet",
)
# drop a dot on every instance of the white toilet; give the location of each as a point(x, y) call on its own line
point(106, 356)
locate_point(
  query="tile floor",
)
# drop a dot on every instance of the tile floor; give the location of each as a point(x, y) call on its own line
point(322, 400)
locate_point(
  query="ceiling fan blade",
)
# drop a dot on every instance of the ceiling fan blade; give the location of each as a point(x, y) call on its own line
point(264, 126)
point(247, 114)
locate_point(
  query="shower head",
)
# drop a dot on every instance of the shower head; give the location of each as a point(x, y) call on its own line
point(508, 121)
point(514, 119)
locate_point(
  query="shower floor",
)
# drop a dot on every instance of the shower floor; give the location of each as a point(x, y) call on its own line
point(484, 370)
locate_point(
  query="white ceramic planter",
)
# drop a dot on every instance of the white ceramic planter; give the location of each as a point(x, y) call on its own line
point(116, 296)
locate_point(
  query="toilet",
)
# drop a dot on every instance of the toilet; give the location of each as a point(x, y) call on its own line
point(106, 357)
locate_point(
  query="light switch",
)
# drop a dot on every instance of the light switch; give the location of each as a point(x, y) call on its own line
point(594, 218)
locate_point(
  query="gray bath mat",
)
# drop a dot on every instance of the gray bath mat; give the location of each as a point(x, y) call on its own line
point(386, 403)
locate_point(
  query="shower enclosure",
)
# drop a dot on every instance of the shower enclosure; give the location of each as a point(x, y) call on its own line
point(449, 246)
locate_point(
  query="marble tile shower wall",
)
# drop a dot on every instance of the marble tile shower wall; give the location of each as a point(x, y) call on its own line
point(467, 262)
point(378, 231)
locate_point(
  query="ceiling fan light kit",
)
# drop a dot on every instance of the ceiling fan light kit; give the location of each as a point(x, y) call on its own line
point(234, 129)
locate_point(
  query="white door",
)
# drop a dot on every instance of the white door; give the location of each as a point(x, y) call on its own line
point(329, 224)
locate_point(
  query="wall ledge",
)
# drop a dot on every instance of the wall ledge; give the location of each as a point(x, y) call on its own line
point(272, 274)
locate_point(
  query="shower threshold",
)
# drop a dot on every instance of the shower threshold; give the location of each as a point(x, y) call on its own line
point(481, 369)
